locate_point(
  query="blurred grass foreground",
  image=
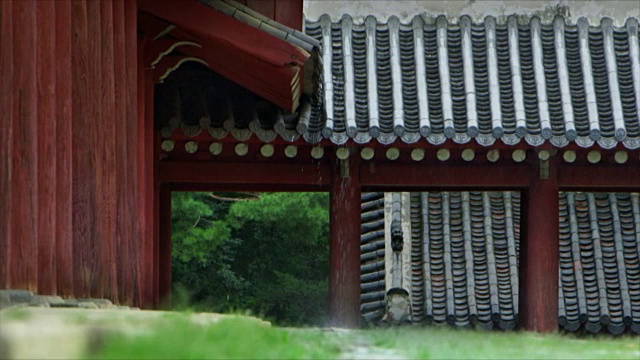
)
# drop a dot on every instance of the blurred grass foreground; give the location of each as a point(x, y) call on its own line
point(112, 334)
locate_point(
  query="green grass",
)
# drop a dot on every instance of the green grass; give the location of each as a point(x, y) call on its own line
point(177, 337)
point(446, 343)
point(230, 338)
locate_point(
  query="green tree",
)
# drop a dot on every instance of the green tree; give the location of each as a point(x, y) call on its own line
point(268, 254)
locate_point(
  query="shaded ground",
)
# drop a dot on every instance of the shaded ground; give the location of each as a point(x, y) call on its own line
point(106, 334)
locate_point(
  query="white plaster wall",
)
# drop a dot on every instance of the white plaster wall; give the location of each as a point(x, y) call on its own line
point(572, 10)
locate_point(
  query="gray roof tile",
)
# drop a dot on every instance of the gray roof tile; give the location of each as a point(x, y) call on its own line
point(464, 259)
point(539, 82)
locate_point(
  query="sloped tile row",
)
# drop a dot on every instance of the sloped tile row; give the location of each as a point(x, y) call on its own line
point(464, 259)
point(372, 269)
point(600, 262)
point(441, 80)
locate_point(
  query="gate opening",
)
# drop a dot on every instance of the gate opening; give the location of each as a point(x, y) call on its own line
point(261, 252)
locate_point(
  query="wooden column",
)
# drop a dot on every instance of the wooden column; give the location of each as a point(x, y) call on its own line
point(164, 247)
point(344, 247)
point(539, 250)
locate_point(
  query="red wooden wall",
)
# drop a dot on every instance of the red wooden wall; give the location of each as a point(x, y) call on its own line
point(286, 12)
point(72, 221)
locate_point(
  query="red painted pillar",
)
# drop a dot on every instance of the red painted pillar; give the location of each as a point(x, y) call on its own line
point(344, 247)
point(164, 246)
point(539, 250)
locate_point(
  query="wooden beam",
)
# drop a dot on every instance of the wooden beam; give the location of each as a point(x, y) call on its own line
point(389, 176)
point(209, 187)
point(540, 253)
point(164, 260)
point(344, 246)
point(47, 179)
point(245, 173)
point(64, 135)
point(599, 178)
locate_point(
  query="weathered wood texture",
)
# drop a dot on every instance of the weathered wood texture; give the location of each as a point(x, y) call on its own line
point(164, 246)
point(344, 257)
point(540, 252)
point(286, 12)
point(69, 159)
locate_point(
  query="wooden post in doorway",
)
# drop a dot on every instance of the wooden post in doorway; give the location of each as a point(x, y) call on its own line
point(344, 247)
point(164, 260)
point(539, 249)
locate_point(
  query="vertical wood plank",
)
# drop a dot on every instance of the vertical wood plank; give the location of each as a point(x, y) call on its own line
point(24, 204)
point(264, 7)
point(64, 222)
point(83, 168)
point(140, 164)
point(156, 190)
point(97, 138)
point(165, 246)
point(108, 190)
point(344, 246)
point(6, 136)
point(46, 147)
point(289, 13)
point(540, 254)
point(131, 51)
point(120, 145)
point(145, 179)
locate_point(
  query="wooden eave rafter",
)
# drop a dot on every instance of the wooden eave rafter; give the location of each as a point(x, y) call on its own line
point(264, 64)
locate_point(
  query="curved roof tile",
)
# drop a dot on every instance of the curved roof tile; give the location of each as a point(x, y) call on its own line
point(534, 82)
point(464, 259)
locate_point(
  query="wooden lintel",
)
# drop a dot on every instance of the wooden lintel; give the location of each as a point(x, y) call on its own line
point(208, 187)
point(281, 173)
point(388, 176)
point(599, 178)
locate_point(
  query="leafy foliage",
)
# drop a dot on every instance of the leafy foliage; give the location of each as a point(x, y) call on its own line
point(267, 255)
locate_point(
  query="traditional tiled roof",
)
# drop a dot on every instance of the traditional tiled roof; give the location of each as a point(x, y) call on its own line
point(508, 80)
point(195, 100)
point(259, 21)
point(464, 259)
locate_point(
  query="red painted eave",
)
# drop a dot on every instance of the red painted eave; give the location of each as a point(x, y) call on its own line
point(268, 66)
